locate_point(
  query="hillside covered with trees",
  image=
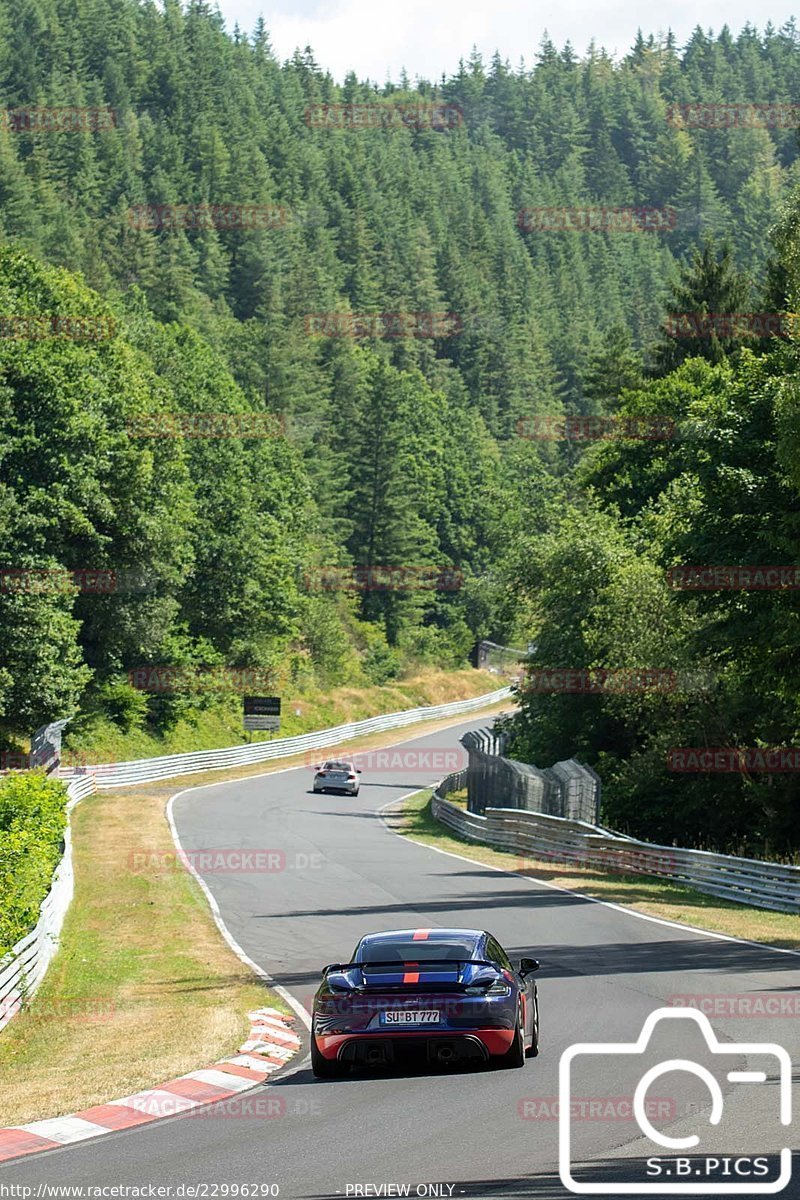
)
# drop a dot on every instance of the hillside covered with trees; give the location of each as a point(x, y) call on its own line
point(403, 451)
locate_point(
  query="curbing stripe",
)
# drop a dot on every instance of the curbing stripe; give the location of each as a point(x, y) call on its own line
point(221, 1080)
point(197, 1089)
point(157, 1102)
point(64, 1129)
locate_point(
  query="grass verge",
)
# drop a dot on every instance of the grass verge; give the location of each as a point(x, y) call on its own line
point(143, 987)
point(643, 893)
point(97, 739)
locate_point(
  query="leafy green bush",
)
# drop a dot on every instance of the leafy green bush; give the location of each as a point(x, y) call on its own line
point(32, 822)
point(123, 704)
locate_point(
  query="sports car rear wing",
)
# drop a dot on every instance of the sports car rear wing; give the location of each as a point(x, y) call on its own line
point(422, 963)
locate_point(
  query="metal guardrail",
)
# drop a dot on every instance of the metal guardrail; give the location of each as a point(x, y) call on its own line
point(145, 770)
point(766, 885)
point(569, 789)
point(24, 967)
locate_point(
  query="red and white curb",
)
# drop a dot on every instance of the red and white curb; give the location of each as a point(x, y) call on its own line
point(270, 1046)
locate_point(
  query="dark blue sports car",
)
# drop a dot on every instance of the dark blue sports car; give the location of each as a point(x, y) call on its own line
point(450, 994)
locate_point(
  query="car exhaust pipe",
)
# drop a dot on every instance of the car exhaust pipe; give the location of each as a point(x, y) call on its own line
point(374, 1055)
point(445, 1053)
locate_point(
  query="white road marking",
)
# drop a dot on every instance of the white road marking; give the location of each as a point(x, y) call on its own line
point(64, 1129)
point(629, 912)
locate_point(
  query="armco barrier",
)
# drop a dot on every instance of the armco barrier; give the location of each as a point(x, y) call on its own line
point(144, 770)
point(558, 839)
point(568, 789)
point(22, 970)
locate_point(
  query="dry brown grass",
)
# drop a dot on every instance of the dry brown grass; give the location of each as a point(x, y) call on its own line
point(143, 988)
point(643, 893)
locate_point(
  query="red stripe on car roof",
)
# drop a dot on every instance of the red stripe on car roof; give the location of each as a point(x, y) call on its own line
point(421, 935)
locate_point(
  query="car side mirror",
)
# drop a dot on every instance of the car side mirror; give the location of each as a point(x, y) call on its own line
point(358, 770)
point(528, 965)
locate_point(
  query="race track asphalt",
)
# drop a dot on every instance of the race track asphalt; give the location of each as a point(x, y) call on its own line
point(470, 1132)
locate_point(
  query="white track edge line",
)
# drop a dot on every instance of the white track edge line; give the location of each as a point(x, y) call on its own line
point(240, 953)
point(630, 912)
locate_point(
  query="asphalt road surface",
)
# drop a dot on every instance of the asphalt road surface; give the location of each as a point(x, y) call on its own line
point(470, 1132)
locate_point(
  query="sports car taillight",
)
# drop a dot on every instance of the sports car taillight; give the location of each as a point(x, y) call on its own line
point(497, 985)
point(337, 981)
point(500, 988)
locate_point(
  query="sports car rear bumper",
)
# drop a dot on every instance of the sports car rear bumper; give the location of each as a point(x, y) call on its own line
point(345, 1046)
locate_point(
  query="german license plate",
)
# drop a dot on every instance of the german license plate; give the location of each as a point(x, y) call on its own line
point(410, 1016)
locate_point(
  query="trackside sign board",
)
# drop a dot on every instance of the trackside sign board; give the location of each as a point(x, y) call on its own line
point(262, 712)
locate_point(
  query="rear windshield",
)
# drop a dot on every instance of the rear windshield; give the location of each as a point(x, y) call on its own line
point(410, 951)
point(336, 766)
